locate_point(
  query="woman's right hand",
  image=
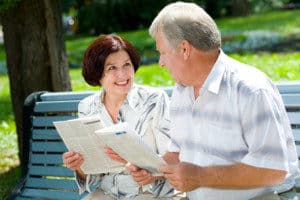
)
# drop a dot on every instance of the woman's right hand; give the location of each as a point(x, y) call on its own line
point(72, 160)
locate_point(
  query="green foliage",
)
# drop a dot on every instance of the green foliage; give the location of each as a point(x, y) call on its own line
point(8, 181)
point(8, 138)
point(8, 141)
point(266, 5)
point(6, 4)
point(98, 16)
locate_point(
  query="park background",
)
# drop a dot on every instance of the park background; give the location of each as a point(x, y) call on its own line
point(265, 34)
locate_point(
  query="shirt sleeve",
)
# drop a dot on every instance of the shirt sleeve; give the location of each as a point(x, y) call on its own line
point(161, 123)
point(264, 120)
point(161, 128)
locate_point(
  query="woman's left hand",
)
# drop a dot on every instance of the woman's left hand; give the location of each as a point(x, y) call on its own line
point(142, 176)
point(113, 155)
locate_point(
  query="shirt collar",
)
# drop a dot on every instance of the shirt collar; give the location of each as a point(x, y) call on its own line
point(213, 81)
point(131, 99)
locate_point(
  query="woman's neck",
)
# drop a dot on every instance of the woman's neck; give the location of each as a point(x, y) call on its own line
point(113, 104)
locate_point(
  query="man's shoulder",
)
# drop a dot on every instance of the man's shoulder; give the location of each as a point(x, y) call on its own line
point(246, 78)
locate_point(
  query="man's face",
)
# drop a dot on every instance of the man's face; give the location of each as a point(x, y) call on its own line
point(171, 58)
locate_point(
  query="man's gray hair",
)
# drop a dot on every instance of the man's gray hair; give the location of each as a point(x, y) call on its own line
point(187, 21)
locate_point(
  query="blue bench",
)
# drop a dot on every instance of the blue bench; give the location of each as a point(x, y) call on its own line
point(45, 177)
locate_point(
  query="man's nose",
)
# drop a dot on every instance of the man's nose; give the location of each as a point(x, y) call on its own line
point(161, 62)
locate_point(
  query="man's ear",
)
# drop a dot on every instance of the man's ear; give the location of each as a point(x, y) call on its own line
point(185, 48)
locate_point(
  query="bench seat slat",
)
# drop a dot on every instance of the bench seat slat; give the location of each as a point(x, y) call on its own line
point(52, 184)
point(45, 158)
point(48, 194)
point(57, 171)
point(56, 106)
point(48, 146)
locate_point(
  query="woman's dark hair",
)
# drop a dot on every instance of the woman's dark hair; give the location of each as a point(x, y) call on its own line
point(97, 52)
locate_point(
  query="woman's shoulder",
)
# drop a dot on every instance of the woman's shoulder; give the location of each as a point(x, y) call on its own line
point(90, 101)
point(143, 90)
point(91, 98)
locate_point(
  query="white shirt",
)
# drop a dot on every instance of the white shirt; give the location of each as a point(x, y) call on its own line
point(239, 117)
point(146, 110)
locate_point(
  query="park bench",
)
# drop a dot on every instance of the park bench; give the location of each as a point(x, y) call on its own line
point(45, 177)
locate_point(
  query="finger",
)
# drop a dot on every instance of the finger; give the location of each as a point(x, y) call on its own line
point(109, 150)
point(75, 164)
point(131, 168)
point(166, 169)
point(67, 154)
point(72, 158)
point(146, 180)
point(140, 173)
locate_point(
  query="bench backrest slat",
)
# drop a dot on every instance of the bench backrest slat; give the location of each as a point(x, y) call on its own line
point(48, 120)
point(45, 134)
point(54, 106)
point(36, 158)
point(48, 146)
point(57, 171)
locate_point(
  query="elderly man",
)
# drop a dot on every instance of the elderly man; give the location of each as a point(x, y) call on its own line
point(231, 137)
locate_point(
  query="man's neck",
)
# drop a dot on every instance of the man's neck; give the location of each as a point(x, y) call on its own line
point(202, 65)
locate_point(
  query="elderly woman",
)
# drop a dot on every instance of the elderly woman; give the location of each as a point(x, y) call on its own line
point(111, 61)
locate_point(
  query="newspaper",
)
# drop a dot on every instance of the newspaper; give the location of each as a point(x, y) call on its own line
point(79, 136)
point(129, 145)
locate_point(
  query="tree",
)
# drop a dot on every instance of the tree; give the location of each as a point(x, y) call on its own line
point(35, 52)
point(240, 7)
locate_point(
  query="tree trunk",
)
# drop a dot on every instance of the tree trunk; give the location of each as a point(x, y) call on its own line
point(36, 55)
point(240, 7)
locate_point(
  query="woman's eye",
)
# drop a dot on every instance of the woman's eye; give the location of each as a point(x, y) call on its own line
point(111, 68)
point(128, 64)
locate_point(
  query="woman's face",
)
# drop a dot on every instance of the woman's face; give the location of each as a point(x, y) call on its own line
point(118, 74)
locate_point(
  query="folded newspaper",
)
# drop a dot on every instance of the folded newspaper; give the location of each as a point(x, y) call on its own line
point(88, 136)
point(129, 145)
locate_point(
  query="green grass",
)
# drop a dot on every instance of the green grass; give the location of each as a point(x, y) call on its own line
point(279, 66)
point(284, 22)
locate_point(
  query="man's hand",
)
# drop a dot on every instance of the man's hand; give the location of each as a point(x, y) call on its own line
point(171, 157)
point(72, 160)
point(182, 176)
point(141, 176)
point(113, 155)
